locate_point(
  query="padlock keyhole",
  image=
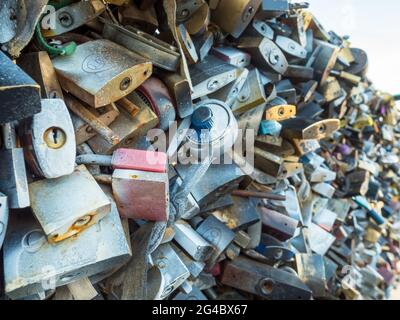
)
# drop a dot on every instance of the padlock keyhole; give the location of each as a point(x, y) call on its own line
point(55, 138)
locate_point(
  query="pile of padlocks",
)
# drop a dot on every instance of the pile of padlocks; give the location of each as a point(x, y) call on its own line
point(93, 207)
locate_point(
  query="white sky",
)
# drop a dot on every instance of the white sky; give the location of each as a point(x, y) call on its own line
point(373, 26)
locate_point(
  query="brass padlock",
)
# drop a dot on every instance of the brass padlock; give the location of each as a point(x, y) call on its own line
point(107, 72)
point(279, 110)
point(197, 24)
point(145, 20)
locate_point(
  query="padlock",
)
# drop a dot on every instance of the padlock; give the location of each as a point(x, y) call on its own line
point(291, 47)
point(156, 95)
point(49, 141)
point(39, 66)
point(325, 219)
point(141, 194)
point(4, 211)
point(234, 17)
point(241, 215)
point(282, 148)
point(216, 233)
point(198, 248)
point(360, 65)
point(232, 56)
point(299, 73)
point(187, 44)
point(305, 129)
point(357, 183)
point(33, 265)
point(197, 24)
point(263, 280)
point(128, 129)
point(186, 9)
point(73, 16)
point(195, 267)
point(160, 53)
point(63, 218)
point(100, 80)
point(278, 109)
point(204, 44)
point(311, 270)
point(303, 147)
point(251, 96)
point(324, 189)
point(19, 93)
point(88, 121)
point(259, 27)
point(273, 8)
point(167, 274)
point(230, 92)
point(264, 53)
point(13, 178)
point(325, 60)
point(144, 19)
point(286, 91)
point(210, 75)
point(278, 225)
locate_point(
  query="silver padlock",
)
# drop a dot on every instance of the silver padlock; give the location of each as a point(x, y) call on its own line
point(32, 264)
point(68, 205)
point(3, 217)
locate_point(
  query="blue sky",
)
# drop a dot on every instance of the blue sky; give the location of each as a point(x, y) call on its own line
point(373, 26)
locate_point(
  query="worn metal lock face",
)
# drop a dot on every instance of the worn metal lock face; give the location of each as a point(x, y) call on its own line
point(259, 27)
point(360, 66)
point(195, 267)
point(291, 47)
point(107, 72)
point(187, 44)
point(145, 20)
point(59, 216)
point(157, 96)
point(282, 148)
point(185, 9)
point(197, 24)
point(230, 92)
point(3, 217)
point(252, 94)
point(296, 22)
point(234, 17)
point(32, 264)
point(273, 8)
point(357, 183)
point(13, 178)
point(210, 75)
point(19, 93)
point(278, 225)
point(39, 66)
point(279, 110)
point(141, 195)
point(49, 141)
point(307, 90)
point(241, 215)
point(88, 121)
point(311, 270)
point(268, 162)
point(311, 110)
point(321, 174)
point(320, 240)
point(304, 129)
point(73, 16)
point(232, 56)
point(331, 89)
point(299, 73)
point(325, 218)
point(192, 207)
point(204, 44)
point(265, 53)
point(216, 233)
point(128, 129)
point(198, 248)
point(167, 274)
point(263, 280)
point(160, 53)
point(325, 60)
point(324, 189)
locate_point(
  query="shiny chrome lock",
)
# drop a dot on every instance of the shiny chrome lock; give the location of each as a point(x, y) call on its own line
point(74, 16)
point(252, 94)
point(107, 72)
point(49, 141)
point(216, 233)
point(234, 17)
point(160, 53)
point(33, 265)
point(39, 66)
point(62, 218)
point(263, 280)
point(232, 56)
point(4, 211)
point(210, 75)
point(198, 248)
point(13, 178)
point(19, 93)
point(125, 127)
point(264, 53)
point(167, 274)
